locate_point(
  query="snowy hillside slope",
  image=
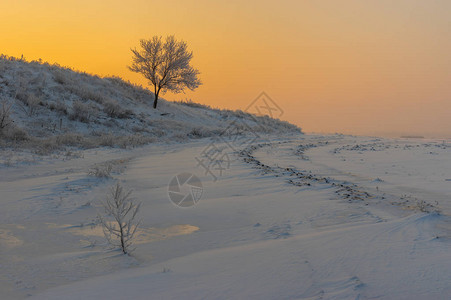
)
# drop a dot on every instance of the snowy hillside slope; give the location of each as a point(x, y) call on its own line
point(65, 107)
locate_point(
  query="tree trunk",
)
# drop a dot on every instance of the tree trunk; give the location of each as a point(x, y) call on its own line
point(122, 240)
point(156, 98)
point(155, 101)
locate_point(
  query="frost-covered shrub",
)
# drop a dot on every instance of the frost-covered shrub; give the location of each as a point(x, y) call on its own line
point(158, 132)
point(101, 171)
point(270, 125)
point(22, 95)
point(58, 106)
point(111, 123)
point(114, 110)
point(14, 133)
point(80, 111)
point(69, 139)
point(240, 114)
point(107, 140)
point(38, 81)
point(3, 66)
point(85, 92)
point(130, 90)
point(179, 137)
point(196, 133)
point(202, 132)
point(426, 207)
point(31, 104)
point(28, 102)
point(61, 76)
point(46, 147)
point(135, 140)
point(190, 103)
point(140, 129)
point(123, 141)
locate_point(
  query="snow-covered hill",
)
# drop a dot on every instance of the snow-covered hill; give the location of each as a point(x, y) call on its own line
point(53, 106)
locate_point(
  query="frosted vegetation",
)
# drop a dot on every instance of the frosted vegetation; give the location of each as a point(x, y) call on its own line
point(45, 107)
point(166, 65)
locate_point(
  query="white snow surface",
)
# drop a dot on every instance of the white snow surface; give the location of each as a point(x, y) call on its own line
point(305, 217)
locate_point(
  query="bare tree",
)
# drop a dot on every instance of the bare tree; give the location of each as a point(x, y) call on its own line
point(166, 64)
point(5, 119)
point(121, 208)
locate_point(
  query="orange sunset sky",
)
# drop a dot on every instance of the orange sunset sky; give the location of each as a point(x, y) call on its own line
point(379, 67)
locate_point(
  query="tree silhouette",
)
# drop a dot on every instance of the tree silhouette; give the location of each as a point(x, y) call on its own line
point(166, 64)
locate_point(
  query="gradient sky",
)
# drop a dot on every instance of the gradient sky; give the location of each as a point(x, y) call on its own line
point(352, 66)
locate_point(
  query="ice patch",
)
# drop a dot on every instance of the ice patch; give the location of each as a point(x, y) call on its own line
point(8, 240)
point(143, 235)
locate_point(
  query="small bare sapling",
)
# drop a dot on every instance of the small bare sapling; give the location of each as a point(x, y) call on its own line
point(118, 223)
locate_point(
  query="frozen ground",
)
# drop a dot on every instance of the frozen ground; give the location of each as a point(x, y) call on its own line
point(310, 217)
